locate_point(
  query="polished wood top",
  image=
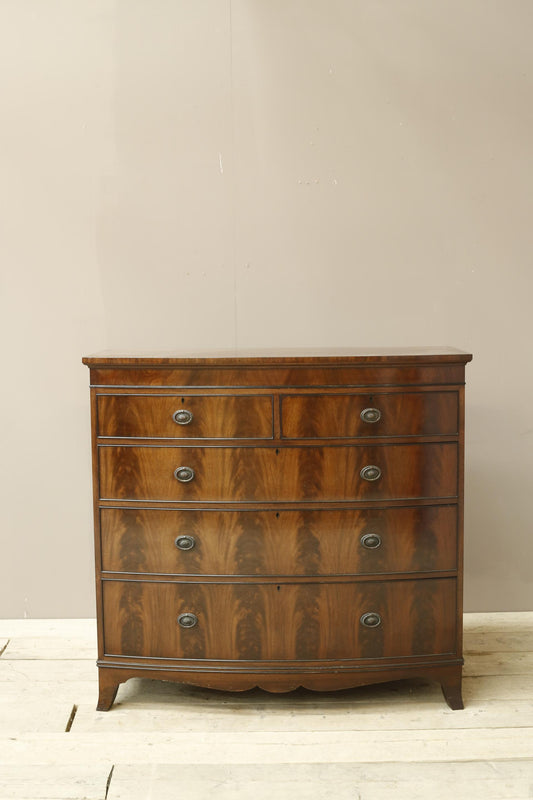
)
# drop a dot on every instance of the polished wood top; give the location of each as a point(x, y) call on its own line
point(285, 356)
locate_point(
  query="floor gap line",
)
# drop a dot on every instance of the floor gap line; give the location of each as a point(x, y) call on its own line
point(71, 718)
point(108, 784)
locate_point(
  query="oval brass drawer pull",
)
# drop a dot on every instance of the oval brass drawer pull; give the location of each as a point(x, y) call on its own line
point(370, 414)
point(182, 416)
point(185, 542)
point(187, 620)
point(370, 473)
point(370, 620)
point(371, 541)
point(184, 474)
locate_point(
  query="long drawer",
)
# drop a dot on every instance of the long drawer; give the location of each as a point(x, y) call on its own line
point(185, 416)
point(302, 542)
point(284, 621)
point(269, 474)
point(310, 416)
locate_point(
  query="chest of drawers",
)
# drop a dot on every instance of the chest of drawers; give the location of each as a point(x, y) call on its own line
point(279, 520)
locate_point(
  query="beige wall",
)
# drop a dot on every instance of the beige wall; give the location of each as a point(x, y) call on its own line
point(201, 173)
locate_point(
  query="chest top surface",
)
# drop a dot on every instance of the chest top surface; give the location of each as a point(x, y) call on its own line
point(283, 356)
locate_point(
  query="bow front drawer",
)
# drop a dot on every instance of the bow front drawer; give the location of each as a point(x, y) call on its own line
point(268, 474)
point(282, 621)
point(302, 542)
point(185, 416)
point(310, 416)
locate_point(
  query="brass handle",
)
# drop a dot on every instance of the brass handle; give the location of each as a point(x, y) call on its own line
point(187, 620)
point(371, 541)
point(185, 542)
point(370, 473)
point(182, 416)
point(370, 415)
point(370, 620)
point(184, 474)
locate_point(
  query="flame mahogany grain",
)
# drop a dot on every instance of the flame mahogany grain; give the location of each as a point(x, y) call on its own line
point(276, 376)
point(146, 416)
point(283, 622)
point(270, 474)
point(287, 542)
point(278, 577)
point(339, 416)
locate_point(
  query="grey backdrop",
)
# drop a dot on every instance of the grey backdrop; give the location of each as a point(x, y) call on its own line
point(290, 172)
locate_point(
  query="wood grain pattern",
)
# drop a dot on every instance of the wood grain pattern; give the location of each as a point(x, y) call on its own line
point(214, 417)
point(402, 414)
point(301, 542)
point(327, 676)
point(262, 474)
point(284, 622)
point(279, 376)
point(278, 576)
point(246, 357)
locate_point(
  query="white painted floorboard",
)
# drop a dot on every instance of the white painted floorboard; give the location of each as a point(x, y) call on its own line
point(165, 740)
point(54, 781)
point(350, 781)
point(29, 648)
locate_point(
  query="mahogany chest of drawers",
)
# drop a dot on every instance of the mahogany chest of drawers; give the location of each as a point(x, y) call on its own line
point(279, 520)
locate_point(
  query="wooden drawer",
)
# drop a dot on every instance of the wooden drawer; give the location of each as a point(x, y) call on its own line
point(280, 621)
point(352, 415)
point(269, 474)
point(280, 374)
point(201, 417)
point(300, 542)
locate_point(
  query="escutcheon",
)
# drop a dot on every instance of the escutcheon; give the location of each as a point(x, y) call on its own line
point(370, 415)
point(182, 416)
point(185, 542)
point(370, 473)
point(184, 474)
point(371, 541)
point(371, 619)
point(187, 620)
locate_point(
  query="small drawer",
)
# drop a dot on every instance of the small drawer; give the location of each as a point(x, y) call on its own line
point(284, 474)
point(280, 621)
point(327, 416)
point(303, 542)
point(185, 416)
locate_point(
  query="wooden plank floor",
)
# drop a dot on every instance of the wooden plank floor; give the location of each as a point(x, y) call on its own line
point(163, 741)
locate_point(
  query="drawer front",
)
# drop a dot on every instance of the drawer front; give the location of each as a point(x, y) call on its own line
point(185, 416)
point(280, 621)
point(280, 375)
point(353, 415)
point(300, 542)
point(268, 474)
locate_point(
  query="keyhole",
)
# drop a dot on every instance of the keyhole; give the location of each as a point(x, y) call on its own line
point(277, 514)
point(278, 588)
point(182, 400)
point(277, 451)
